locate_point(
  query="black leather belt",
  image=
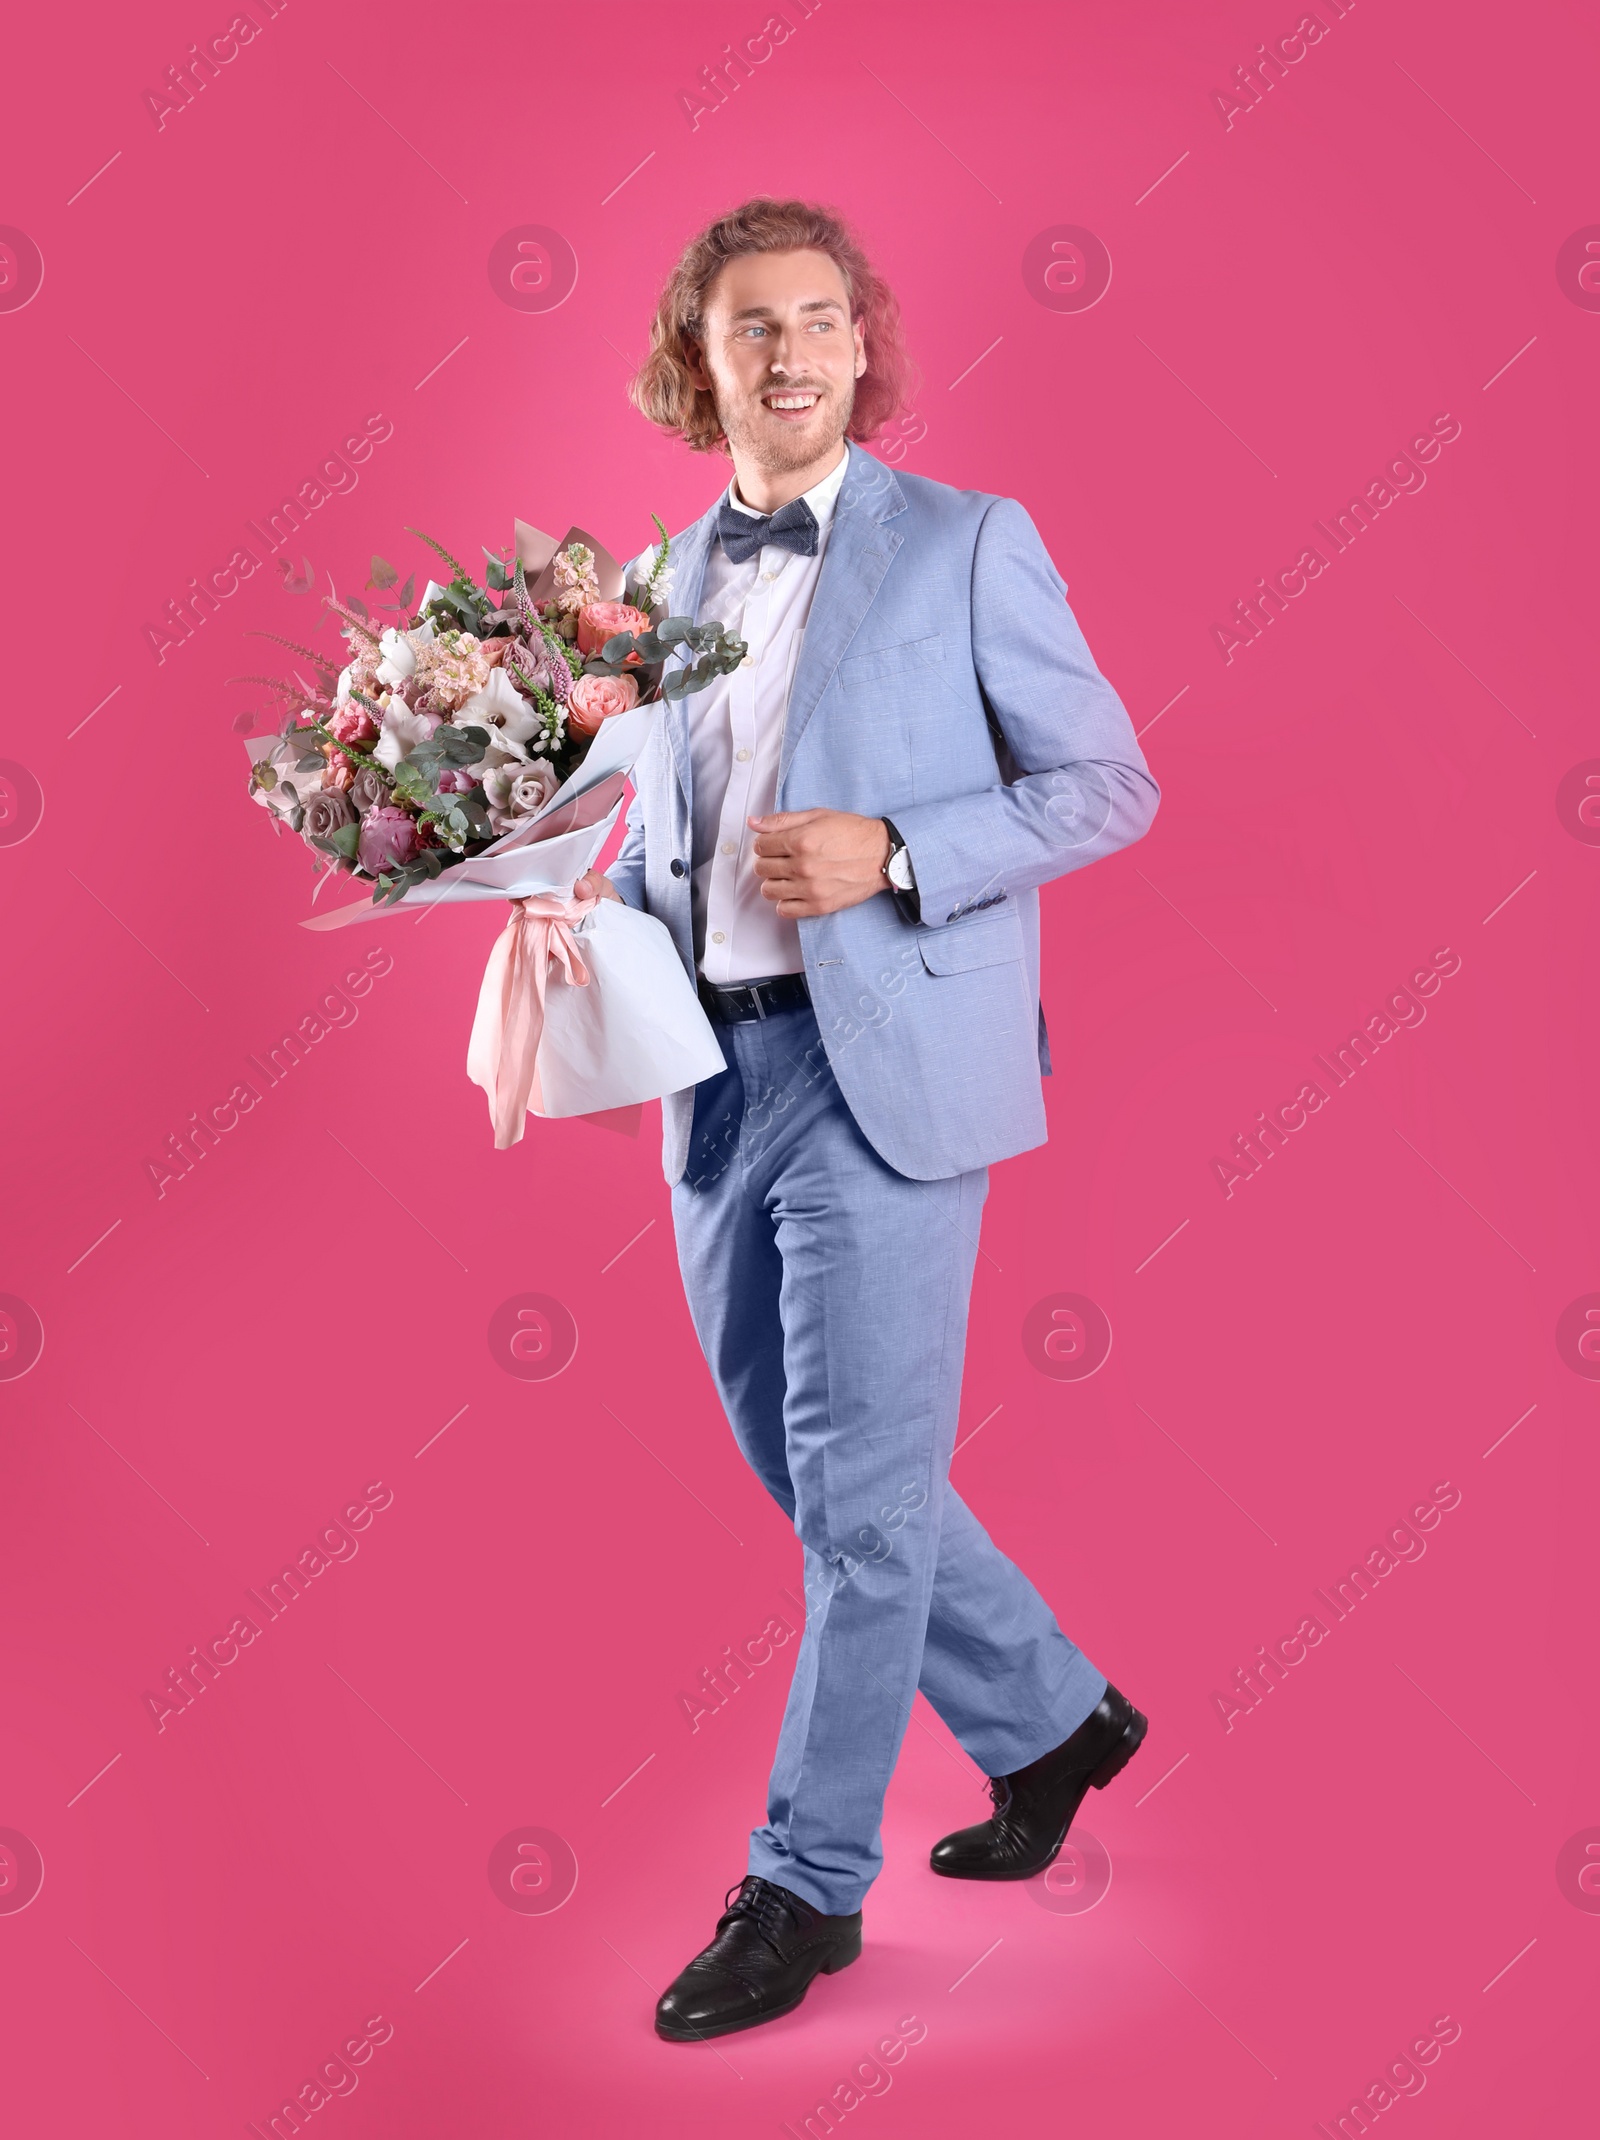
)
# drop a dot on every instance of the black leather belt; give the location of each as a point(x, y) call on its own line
point(753, 999)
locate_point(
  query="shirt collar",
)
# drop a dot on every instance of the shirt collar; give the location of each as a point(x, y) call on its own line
point(821, 498)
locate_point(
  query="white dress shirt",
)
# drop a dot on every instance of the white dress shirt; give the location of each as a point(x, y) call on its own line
point(735, 737)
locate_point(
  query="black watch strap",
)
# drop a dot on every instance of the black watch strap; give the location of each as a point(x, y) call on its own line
point(909, 903)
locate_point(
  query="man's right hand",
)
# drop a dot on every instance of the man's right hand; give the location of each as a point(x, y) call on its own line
point(591, 885)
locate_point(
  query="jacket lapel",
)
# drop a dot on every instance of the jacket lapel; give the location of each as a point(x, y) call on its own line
point(859, 552)
point(692, 549)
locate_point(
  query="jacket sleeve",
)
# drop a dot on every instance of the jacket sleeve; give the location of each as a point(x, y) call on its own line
point(1077, 786)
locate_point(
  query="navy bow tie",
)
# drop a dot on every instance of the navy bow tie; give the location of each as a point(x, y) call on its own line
point(791, 527)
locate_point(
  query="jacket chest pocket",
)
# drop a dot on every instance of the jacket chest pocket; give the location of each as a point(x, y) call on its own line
point(898, 663)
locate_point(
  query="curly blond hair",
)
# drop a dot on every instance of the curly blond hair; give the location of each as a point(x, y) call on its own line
point(662, 389)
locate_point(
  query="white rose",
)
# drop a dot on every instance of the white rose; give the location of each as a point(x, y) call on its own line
point(399, 663)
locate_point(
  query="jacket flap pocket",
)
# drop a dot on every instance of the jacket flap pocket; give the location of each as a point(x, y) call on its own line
point(904, 659)
point(961, 946)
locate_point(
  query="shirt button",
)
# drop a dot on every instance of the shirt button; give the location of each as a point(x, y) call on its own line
point(741, 755)
point(728, 847)
point(717, 937)
point(769, 575)
point(748, 662)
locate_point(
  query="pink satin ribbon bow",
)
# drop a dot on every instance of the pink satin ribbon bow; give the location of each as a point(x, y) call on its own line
point(503, 1054)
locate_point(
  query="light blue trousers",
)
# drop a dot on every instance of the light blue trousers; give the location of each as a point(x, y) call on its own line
point(830, 1297)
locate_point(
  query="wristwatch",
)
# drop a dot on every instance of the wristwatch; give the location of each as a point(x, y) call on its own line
point(902, 877)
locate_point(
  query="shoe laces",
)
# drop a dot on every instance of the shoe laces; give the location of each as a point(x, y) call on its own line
point(999, 1791)
point(770, 1908)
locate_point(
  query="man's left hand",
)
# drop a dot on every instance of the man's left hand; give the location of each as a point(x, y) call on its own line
point(818, 861)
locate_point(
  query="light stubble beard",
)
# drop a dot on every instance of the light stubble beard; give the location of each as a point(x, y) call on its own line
point(771, 448)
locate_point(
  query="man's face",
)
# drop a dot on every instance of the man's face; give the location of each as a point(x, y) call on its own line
point(781, 356)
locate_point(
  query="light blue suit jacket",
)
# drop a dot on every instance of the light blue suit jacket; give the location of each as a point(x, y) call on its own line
point(943, 683)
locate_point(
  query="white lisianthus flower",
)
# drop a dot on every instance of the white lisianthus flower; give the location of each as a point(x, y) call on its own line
point(500, 706)
point(402, 731)
point(502, 751)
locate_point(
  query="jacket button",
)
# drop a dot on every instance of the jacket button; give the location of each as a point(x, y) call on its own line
point(677, 867)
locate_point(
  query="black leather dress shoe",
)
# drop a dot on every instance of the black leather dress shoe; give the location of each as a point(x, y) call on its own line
point(769, 1946)
point(1034, 1808)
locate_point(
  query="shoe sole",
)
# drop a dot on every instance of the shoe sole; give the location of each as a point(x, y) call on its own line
point(831, 1967)
point(1128, 1744)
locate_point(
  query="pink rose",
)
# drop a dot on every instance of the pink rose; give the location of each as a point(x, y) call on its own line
point(596, 698)
point(388, 839)
point(353, 724)
point(598, 621)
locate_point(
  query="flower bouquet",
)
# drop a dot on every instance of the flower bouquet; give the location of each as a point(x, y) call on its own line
point(478, 748)
point(451, 734)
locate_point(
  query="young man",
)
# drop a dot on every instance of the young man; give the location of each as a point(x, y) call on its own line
point(846, 837)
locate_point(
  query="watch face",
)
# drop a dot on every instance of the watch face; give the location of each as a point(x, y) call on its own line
point(899, 871)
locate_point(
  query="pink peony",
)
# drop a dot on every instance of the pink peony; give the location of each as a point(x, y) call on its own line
point(388, 839)
point(598, 622)
point(596, 698)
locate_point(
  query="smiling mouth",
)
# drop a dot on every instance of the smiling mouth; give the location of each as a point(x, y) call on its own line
point(792, 403)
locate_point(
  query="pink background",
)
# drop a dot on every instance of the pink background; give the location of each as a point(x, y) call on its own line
point(229, 1364)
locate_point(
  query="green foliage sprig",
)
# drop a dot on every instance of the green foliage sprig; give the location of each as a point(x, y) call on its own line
point(715, 651)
